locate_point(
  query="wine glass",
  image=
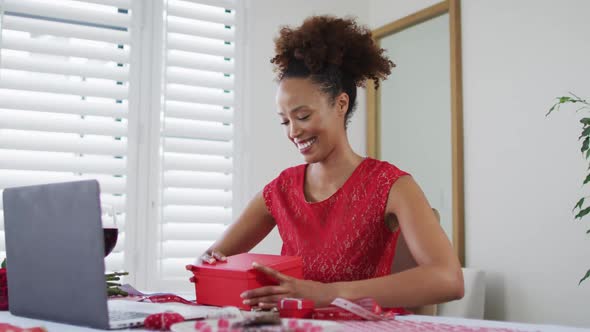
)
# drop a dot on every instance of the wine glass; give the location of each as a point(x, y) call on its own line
point(110, 229)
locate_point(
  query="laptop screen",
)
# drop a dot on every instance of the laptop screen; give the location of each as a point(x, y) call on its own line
point(55, 253)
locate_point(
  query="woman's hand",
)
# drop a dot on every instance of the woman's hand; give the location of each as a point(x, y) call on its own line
point(268, 297)
point(211, 257)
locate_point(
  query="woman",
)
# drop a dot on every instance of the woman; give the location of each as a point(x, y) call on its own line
point(335, 210)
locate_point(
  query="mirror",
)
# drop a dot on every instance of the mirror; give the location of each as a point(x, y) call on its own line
point(415, 117)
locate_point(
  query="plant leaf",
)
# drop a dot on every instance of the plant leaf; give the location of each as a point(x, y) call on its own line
point(552, 108)
point(582, 213)
point(587, 179)
point(585, 144)
point(579, 204)
point(3, 266)
point(588, 231)
point(585, 121)
point(565, 99)
point(585, 132)
point(585, 277)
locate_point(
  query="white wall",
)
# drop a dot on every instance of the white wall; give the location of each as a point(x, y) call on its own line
point(522, 171)
point(382, 12)
point(266, 149)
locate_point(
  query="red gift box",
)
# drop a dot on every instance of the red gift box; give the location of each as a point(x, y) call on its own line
point(221, 284)
point(296, 308)
point(3, 290)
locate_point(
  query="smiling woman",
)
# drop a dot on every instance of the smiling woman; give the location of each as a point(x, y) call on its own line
point(332, 210)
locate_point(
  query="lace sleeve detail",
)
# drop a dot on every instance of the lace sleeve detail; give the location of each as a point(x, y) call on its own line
point(267, 194)
point(388, 175)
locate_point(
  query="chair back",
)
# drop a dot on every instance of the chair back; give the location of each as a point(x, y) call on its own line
point(404, 260)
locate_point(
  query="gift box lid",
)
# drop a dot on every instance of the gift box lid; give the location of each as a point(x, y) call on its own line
point(240, 266)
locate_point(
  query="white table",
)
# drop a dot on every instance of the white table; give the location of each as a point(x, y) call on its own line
point(6, 317)
point(492, 324)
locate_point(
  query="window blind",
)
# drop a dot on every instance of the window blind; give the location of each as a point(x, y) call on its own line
point(196, 132)
point(64, 90)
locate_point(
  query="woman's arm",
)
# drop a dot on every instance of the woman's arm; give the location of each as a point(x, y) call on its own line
point(247, 231)
point(437, 278)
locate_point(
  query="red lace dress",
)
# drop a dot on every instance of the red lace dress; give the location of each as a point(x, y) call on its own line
point(343, 237)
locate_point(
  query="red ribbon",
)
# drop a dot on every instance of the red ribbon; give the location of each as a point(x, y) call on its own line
point(363, 309)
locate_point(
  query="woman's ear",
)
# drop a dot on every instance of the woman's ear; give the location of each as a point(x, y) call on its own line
point(342, 101)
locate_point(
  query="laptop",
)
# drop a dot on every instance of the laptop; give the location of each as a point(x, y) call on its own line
point(55, 259)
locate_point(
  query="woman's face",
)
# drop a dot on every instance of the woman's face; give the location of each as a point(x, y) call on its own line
point(312, 122)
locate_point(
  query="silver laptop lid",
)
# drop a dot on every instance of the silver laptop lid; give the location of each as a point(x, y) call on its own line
point(55, 253)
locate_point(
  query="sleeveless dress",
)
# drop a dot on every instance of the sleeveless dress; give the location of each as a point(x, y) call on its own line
point(344, 237)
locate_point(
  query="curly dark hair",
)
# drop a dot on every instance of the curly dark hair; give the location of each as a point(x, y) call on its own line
point(335, 53)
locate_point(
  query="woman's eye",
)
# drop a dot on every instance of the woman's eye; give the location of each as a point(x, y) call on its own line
point(304, 118)
point(284, 123)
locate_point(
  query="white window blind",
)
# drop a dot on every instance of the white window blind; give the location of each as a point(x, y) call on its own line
point(196, 132)
point(64, 91)
point(78, 89)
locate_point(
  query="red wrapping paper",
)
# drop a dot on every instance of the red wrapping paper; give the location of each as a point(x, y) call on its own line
point(3, 290)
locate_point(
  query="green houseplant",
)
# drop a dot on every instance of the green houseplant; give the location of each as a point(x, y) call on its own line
point(582, 208)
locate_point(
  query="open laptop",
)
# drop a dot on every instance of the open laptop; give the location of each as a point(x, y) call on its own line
point(55, 259)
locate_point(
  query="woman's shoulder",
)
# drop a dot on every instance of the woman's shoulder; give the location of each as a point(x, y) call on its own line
point(292, 172)
point(283, 186)
point(289, 174)
point(377, 168)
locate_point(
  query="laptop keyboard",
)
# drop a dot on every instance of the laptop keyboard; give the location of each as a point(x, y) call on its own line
point(116, 315)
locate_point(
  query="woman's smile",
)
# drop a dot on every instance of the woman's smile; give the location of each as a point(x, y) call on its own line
point(305, 146)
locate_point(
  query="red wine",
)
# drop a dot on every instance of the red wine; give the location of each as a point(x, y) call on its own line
point(110, 239)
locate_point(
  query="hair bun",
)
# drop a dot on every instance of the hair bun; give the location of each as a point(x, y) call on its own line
point(324, 42)
point(298, 54)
